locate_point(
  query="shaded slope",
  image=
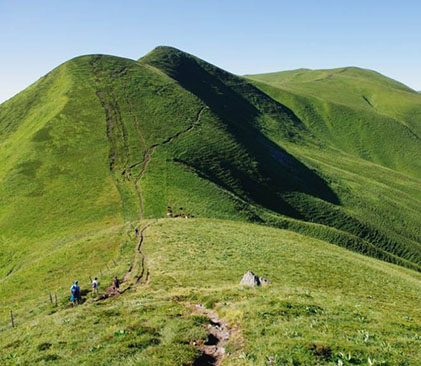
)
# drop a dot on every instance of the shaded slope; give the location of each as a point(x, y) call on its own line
point(246, 113)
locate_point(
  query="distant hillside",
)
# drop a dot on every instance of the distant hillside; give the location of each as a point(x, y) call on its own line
point(352, 109)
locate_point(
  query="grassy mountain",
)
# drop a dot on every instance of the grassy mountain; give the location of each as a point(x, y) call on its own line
point(102, 144)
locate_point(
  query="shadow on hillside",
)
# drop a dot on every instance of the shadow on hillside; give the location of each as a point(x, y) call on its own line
point(239, 105)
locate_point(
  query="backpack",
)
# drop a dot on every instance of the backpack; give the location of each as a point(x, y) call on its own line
point(74, 290)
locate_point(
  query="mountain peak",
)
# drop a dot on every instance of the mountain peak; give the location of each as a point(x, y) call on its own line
point(164, 53)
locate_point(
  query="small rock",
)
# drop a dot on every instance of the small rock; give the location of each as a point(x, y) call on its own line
point(264, 281)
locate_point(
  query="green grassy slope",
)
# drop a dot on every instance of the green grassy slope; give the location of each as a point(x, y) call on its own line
point(314, 313)
point(103, 143)
point(353, 109)
point(370, 152)
point(179, 132)
point(232, 97)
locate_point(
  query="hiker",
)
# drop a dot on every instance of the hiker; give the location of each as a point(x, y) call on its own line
point(95, 287)
point(116, 284)
point(136, 231)
point(75, 291)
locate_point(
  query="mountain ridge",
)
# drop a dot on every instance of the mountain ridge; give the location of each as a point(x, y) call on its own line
point(301, 73)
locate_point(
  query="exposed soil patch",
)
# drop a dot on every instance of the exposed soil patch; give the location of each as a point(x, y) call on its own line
point(212, 340)
point(213, 350)
point(10, 271)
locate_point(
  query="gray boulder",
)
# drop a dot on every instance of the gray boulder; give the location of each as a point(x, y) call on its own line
point(250, 279)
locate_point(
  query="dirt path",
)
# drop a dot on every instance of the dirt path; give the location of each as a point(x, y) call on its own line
point(139, 253)
point(144, 272)
point(213, 350)
point(219, 333)
point(116, 130)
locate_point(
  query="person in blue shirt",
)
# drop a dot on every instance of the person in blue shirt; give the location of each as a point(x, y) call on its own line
point(75, 291)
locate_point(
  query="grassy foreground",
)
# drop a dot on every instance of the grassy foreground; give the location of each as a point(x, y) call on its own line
point(326, 305)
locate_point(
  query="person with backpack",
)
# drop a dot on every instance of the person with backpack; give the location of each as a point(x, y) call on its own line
point(75, 291)
point(95, 287)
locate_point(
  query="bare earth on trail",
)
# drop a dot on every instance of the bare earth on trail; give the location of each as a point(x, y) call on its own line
point(213, 350)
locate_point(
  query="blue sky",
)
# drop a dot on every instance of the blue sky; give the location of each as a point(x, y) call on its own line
point(244, 36)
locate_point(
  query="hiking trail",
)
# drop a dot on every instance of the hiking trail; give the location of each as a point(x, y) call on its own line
point(111, 291)
point(139, 252)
